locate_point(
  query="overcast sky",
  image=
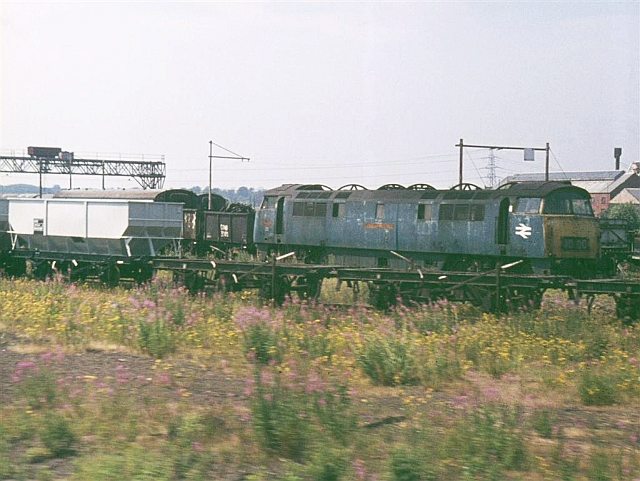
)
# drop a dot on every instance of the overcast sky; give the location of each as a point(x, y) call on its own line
point(332, 93)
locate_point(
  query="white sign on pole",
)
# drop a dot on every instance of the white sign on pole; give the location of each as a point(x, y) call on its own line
point(529, 155)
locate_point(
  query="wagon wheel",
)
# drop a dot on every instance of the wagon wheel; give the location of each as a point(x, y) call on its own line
point(15, 267)
point(392, 187)
point(41, 270)
point(352, 187)
point(277, 292)
point(466, 186)
point(110, 275)
point(421, 187)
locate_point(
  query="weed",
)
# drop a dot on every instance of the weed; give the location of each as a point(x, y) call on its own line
point(156, 338)
point(327, 464)
point(597, 389)
point(406, 466)
point(57, 436)
point(388, 361)
point(542, 422)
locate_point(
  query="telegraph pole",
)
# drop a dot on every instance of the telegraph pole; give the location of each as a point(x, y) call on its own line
point(211, 157)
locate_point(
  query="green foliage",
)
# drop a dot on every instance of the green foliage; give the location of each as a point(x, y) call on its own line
point(156, 338)
point(57, 436)
point(189, 434)
point(132, 462)
point(406, 466)
point(39, 389)
point(542, 422)
point(288, 415)
point(599, 466)
point(279, 420)
point(332, 409)
point(388, 361)
point(261, 342)
point(597, 389)
point(488, 442)
point(627, 212)
point(327, 464)
point(6, 464)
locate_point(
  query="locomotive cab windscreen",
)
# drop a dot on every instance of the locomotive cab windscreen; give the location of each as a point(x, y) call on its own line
point(568, 202)
point(571, 230)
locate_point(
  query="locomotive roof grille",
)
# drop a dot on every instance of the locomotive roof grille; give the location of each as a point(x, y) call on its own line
point(343, 195)
point(430, 194)
point(459, 194)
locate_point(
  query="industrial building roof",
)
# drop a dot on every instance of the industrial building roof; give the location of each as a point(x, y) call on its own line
point(604, 182)
point(627, 196)
point(605, 175)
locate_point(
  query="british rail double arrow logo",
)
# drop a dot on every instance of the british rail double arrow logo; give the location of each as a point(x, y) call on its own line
point(523, 231)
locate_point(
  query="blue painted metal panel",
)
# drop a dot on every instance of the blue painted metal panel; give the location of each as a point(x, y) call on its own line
point(304, 230)
point(380, 233)
point(526, 235)
point(347, 230)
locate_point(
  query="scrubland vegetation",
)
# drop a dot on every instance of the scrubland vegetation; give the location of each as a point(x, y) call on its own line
point(156, 384)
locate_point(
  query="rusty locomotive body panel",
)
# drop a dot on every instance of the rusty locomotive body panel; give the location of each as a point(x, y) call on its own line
point(549, 224)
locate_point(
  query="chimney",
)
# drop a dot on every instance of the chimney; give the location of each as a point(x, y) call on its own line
point(617, 153)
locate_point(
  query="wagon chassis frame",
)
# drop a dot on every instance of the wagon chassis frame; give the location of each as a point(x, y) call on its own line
point(493, 291)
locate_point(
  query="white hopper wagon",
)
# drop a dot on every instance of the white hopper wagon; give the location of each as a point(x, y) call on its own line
point(92, 235)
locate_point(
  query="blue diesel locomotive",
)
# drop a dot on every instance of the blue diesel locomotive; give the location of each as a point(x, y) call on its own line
point(550, 226)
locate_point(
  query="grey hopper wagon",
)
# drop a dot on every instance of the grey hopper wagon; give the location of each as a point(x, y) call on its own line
point(93, 228)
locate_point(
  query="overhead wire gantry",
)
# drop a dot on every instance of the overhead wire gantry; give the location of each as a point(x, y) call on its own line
point(149, 174)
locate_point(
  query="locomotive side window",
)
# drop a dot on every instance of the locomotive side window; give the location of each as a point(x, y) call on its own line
point(268, 203)
point(461, 212)
point(446, 212)
point(477, 212)
point(298, 209)
point(528, 205)
point(379, 211)
point(309, 209)
point(338, 210)
point(320, 209)
point(424, 211)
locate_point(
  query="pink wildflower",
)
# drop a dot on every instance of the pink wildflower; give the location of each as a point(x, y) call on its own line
point(360, 470)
